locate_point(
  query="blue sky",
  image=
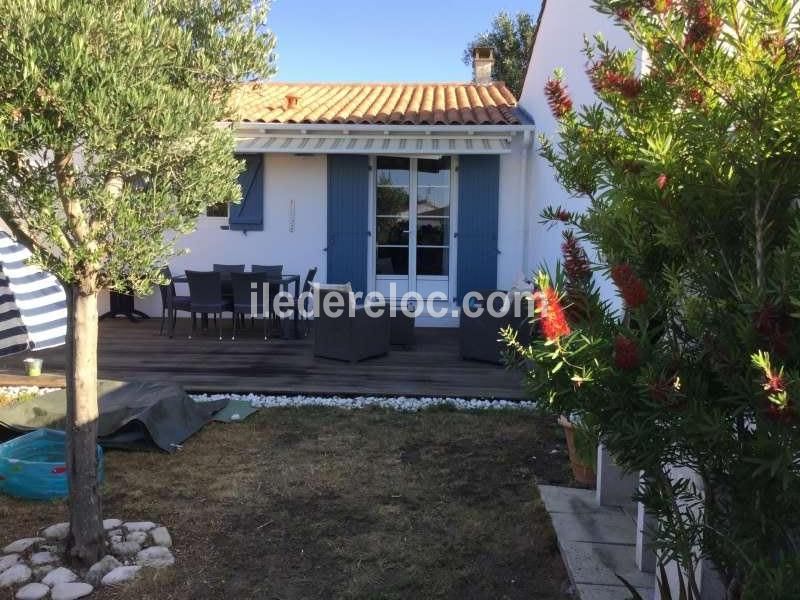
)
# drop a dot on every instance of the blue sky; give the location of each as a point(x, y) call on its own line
point(378, 41)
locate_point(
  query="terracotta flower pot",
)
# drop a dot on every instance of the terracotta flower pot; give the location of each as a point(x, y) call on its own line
point(584, 474)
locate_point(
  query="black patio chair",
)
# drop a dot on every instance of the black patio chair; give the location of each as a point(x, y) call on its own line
point(305, 292)
point(272, 271)
point(245, 285)
point(171, 303)
point(228, 268)
point(205, 297)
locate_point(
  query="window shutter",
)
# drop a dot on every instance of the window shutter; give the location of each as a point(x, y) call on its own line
point(348, 222)
point(248, 215)
point(478, 206)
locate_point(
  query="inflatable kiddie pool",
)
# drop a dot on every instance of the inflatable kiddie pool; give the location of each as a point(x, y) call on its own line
point(33, 466)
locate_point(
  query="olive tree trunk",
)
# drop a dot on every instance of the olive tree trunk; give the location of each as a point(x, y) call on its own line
point(85, 544)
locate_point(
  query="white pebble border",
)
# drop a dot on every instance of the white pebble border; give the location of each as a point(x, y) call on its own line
point(16, 392)
point(399, 403)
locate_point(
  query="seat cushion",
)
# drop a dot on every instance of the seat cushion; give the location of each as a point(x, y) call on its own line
point(181, 302)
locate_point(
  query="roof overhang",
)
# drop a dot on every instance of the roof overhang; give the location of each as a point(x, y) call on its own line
point(434, 140)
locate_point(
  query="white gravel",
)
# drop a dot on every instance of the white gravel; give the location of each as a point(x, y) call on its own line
point(16, 392)
point(400, 403)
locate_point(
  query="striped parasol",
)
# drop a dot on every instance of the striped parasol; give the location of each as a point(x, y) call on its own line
point(33, 305)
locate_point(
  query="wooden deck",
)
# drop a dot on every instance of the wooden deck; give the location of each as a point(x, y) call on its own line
point(135, 351)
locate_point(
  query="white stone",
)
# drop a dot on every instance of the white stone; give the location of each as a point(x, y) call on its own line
point(118, 532)
point(43, 558)
point(139, 526)
point(22, 545)
point(155, 557)
point(58, 532)
point(8, 561)
point(109, 524)
point(70, 591)
point(121, 575)
point(161, 537)
point(15, 575)
point(125, 549)
point(32, 591)
point(101, 568)
point(59, 575)
point(140, 537)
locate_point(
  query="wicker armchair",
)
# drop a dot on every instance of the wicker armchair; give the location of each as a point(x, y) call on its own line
point(344, 337)
point(479, 336)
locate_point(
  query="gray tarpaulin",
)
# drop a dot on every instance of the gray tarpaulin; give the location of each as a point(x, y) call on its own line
point(132, 415)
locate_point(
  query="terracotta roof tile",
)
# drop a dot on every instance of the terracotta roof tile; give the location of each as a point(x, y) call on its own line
point(376, 103)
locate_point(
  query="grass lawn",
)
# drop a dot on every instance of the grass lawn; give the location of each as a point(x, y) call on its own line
point(324, 503)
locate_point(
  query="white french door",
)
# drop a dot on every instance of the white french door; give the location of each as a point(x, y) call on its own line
point(412, 216)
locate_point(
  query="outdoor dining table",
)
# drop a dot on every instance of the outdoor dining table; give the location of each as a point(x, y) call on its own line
point(284, 281)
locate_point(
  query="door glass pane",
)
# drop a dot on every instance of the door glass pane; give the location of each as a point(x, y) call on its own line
point(392, 201)
point(392, 260)
point(392, 231)
point(392, 210)
point(433, 261)
point(433, 216)
point(433, 232)
point(434, 172)
point(393, 171)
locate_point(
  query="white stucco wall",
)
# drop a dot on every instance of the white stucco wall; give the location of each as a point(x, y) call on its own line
point(302, 180)
point(559, 44)
point(295, 243)
point(514, 194)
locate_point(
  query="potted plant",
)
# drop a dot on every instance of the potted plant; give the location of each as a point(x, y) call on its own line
point(582, 448)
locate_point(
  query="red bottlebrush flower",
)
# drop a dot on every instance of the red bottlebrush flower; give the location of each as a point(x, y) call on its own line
point(558, 98)
point(774, 383)
point(624, 14)
point(695, 96)
point(606, 79)
point(631, 288)
point(551, 314)
point(662, 181)
point(626, 353)
point(703, 24)
point(576, 261)
point(562, 215)
point(630, 87)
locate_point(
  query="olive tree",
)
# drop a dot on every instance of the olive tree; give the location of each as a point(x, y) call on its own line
point(110, 147)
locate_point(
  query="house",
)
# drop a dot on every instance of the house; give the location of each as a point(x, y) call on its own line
point(563, 28)
point(393, 187)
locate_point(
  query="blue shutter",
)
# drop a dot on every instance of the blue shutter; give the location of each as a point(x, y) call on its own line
point(248, 215)
point(478, 205)
point(348, 214)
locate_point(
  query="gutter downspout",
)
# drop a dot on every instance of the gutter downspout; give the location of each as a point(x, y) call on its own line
point(526, 204)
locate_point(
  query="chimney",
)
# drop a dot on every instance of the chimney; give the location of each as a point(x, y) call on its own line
point(482, 65)
point(292, 101)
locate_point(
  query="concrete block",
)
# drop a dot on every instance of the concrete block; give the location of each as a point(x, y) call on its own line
point(614, 486)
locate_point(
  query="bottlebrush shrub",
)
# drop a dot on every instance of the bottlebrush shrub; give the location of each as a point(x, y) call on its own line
point(691, 169)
